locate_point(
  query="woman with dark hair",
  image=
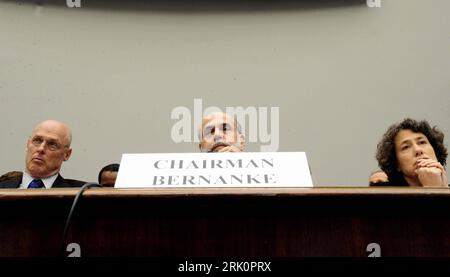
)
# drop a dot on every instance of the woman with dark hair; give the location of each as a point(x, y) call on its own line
point(412, 153)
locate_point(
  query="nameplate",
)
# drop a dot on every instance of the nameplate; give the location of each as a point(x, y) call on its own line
point(188, 170)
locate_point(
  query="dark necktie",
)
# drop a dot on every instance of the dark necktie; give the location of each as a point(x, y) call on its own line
point(36, 184)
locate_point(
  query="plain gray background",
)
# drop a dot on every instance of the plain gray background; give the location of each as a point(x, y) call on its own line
point(340, 72)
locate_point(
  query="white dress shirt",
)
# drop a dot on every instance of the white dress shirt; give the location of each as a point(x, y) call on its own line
point(26, 180)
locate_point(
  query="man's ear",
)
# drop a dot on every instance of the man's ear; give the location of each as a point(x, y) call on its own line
point(68, 154)
point(28, 143)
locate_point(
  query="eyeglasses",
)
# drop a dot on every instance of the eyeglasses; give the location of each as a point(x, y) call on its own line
point(51, 144)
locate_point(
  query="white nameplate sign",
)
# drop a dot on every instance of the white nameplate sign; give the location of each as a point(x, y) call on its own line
point(188, 170)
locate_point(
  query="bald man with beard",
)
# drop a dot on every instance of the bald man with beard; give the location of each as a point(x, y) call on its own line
point(47, 148)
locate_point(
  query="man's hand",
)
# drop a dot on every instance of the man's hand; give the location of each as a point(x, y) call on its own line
point(230, 148)
point(431, 173)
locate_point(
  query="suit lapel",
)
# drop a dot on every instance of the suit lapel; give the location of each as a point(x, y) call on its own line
point(11, 184)
point(60, 182)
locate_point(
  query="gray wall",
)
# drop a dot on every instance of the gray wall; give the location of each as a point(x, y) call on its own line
point(340, 72)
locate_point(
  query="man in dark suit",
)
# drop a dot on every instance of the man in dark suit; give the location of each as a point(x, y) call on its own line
point(47, 148)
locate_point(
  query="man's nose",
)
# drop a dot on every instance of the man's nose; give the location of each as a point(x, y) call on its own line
point(218, 136)
point(41, 146)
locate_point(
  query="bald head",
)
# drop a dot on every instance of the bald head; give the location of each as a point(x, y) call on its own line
point(47, 148)
point(220, 132)
point(378, 177)
point(56, 127)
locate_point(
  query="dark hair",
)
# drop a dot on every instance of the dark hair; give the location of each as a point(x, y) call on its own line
point(110, 167)
point(386, 155)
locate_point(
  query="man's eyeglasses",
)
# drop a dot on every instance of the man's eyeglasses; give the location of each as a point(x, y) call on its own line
point(51, 144)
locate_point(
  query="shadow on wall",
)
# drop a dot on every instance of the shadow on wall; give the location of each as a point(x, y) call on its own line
point(197, 6)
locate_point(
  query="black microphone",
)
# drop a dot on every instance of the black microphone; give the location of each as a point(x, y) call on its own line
point(69, 218)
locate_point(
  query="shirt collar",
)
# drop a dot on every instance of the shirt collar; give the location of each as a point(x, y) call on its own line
point(48, 182)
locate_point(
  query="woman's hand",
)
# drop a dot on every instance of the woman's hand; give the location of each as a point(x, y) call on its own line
point(431, 173)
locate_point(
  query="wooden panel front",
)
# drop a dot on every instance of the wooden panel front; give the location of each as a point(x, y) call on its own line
point(229, 222)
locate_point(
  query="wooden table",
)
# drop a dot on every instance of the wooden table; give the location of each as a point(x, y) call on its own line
point(228, 222)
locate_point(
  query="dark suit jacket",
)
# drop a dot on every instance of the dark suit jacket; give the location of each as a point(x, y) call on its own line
point(60, 182)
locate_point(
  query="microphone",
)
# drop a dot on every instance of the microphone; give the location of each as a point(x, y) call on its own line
point(69, 218)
